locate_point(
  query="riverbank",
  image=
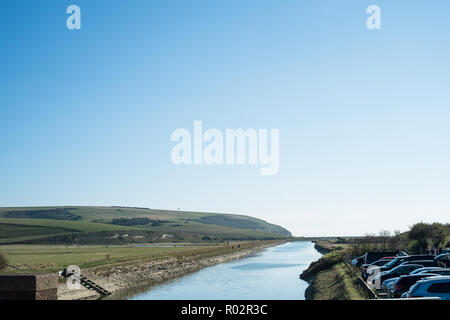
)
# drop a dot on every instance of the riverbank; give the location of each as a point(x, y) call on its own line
point(122, 277)
point(330, 278)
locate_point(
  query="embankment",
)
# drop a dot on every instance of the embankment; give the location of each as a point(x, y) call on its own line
point(321, 248)
point(330, 278)
point(123, 277)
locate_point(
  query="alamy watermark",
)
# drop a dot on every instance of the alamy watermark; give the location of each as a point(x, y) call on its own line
point(73, 22)
point(374, 20)
point(72, 274)
point(235, 147)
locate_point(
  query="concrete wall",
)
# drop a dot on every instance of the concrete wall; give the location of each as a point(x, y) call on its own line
point(29, 287)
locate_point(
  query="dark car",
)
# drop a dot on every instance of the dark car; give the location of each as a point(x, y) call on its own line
point(425, 263)
point(403, 283)
point(443, 260)
point(371, 257)
point(441, 272)
point(394, 273)
point(399, 260)
point(357, 262)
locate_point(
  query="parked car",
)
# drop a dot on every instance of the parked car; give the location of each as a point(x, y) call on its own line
point(387, 285)
point(428, 270)
point(357, 262)
point(393, 273)
point(438, 287)
point(442, 272)
point(370, 257)
point(443, 260)
point(378, 263)
point(399, 260)
point(389, 258)
point(425, 263)
point(402, 284)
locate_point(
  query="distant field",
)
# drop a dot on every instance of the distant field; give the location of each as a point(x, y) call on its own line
point(13, 230)
point(119, 225)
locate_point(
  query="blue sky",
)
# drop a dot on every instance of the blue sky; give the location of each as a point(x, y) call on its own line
point(86, 115)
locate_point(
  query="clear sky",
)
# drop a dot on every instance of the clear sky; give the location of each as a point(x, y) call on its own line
point(86, 115)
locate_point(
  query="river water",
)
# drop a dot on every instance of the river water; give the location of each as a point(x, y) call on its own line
point(269, 274)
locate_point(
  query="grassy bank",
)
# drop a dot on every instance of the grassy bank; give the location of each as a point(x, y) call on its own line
point(123, 268)
point(330, 278)
point(335, 283)
point(46, 259)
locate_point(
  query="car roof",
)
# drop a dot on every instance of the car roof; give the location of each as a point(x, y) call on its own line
point(419, 275)
point(430, 268)
point(436, 279)
point(421, 255)
point(406, 265)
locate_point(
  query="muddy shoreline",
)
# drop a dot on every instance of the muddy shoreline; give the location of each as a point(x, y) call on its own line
point(125, 277)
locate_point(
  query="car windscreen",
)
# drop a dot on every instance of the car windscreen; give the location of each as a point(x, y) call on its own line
point(392, 263)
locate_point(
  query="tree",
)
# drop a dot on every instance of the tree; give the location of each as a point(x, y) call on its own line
point(425, 234)
point(384, 238)
point(438, 234)
point(420, 232)
point(414, 247)
point(3, 261)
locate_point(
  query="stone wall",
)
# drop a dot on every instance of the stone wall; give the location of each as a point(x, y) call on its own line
point(29, 287)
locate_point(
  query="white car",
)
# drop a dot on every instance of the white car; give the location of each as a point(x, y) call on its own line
point(438, 287)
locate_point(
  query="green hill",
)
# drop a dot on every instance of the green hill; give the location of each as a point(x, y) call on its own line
point(117, 225)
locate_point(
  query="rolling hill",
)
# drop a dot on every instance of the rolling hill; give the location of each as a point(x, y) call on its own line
point(118, 225)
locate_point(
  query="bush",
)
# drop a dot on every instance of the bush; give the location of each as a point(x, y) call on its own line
point(3, 261)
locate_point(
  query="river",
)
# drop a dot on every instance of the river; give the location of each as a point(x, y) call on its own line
point(272, 273)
